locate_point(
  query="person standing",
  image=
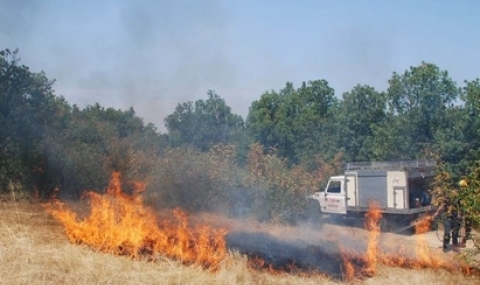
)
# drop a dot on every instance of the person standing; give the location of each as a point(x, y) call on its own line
point(451, 222)
point(452, 219)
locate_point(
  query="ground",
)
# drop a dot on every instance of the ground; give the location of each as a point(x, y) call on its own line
point(35, 250)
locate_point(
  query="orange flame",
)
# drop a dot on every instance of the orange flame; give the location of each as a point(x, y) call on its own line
point(373, 217)
point(422, 257)
point(121, 224)
point(349, 268)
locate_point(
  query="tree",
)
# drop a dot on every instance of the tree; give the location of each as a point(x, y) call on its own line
point(204, 123)
point(263, 121)
point(296, 123)
point(470, 120)
point(313, 123)
point(26, 104)
point(361, 110)
point(418, 101)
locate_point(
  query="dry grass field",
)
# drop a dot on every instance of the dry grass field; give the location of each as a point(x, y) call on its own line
point(35, 250)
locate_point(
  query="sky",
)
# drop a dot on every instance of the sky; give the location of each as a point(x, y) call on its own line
point(154, 55)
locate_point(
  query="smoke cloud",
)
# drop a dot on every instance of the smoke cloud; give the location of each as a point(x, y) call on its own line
point(152, 55)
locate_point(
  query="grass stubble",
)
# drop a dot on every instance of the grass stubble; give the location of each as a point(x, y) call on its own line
point(35, 250)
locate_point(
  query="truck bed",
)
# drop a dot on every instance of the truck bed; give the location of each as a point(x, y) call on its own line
point(393, 210)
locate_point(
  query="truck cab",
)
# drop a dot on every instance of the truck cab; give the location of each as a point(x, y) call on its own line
point(333, 198)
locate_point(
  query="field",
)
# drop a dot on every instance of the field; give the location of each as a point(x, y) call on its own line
point(35, 250)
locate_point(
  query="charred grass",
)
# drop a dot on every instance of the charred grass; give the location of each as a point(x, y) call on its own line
point(34, 250)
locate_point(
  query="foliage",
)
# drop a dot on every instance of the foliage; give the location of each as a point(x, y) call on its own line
point(297, 123)
point(361, 112)
point(203, 124)
point(418, 101)
point(460, 192)
point(266, 189)
point(280, 190)
point(48, 145)
point(469, 194)
point(26, 104)
point(199, 181)
point(210, 159)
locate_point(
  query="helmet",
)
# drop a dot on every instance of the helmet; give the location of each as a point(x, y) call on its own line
point(463, 183)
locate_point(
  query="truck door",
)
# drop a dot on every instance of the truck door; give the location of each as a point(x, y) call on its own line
point(335, 197)
point(399, 197)
point(351, 189)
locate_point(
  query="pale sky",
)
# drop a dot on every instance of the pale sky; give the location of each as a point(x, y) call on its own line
point(153, 55)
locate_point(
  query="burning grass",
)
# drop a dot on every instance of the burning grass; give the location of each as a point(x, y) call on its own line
point(121, 224)
point(422, 257)
point(34, 250)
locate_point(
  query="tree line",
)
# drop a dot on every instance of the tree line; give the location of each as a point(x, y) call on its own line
point(211, 158)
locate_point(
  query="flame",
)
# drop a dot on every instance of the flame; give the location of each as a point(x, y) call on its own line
point(121, 224)
point(372, 217)
point(356, 264)
point(424, 256)
point(349, 269)
point(423, 251)
point(359, 265)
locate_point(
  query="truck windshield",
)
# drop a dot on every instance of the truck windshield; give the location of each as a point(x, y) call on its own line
point(334, 187)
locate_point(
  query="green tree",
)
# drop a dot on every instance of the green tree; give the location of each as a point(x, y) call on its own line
point(295, 123)
point(314, 113)
point(26, 104)
point(204, 123)
point(418, 101)
point(470, 120)
point(263, 121)
point(361, 110)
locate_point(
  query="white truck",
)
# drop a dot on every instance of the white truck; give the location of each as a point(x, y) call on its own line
point(401, 189)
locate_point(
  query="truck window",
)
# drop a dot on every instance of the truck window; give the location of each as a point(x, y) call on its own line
point(334, 187)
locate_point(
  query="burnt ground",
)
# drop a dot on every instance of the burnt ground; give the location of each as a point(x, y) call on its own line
point(318, 248)
point(288, 255)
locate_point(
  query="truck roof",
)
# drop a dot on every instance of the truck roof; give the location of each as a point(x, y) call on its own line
point(337, 177)
point(419, 165)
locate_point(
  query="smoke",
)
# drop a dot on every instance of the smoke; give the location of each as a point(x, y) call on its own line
point(150, 55)
point(153, 55)
point(18, 19)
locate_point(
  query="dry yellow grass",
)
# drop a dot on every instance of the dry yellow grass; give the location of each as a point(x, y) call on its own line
point(34, 250)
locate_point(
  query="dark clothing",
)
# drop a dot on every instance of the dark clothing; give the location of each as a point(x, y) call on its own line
point(468, 227)
point(451, 224)
point(425, 200)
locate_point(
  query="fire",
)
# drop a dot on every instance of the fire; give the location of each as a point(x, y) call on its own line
point(372, 224)
point(359, 265)
point(423, 255)
point(348, 267)
point(121, 224)
point(356, 264)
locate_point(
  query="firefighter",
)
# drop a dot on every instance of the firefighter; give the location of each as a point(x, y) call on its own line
point(452, 220)
point(449, 208)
